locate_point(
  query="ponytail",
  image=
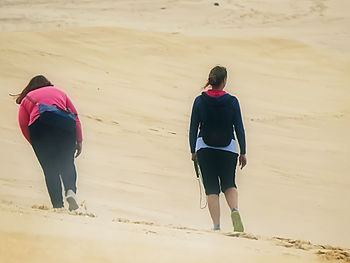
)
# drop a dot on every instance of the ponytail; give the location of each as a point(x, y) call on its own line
point(206, 85)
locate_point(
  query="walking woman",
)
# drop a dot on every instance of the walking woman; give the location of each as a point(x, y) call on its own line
point(49, 121)
point(217, 114)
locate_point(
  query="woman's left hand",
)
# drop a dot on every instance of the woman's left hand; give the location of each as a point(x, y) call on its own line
point(78, 149)
point(242, 161)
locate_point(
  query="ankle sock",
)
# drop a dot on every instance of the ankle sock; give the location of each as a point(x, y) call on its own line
point(216, 226)
point(234, 209)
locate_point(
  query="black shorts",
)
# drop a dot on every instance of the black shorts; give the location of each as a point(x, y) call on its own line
point(218, 169)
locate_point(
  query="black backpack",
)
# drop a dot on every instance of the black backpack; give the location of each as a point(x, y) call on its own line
point(218, 122)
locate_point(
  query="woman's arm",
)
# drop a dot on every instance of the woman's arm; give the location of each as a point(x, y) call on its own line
point(23, 119)
point(194, 126)
point(70, 106)
point(239, 128)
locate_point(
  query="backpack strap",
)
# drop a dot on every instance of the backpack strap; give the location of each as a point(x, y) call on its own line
point(33, 101)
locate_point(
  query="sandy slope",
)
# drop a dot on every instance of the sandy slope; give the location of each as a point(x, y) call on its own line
point(133, 70)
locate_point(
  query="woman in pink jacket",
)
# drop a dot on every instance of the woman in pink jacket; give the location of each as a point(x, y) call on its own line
point(54, 143)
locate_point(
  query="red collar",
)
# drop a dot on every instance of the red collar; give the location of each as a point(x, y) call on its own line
point(215, 92)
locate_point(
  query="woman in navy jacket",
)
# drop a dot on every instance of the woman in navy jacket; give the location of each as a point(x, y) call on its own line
point(217, 114)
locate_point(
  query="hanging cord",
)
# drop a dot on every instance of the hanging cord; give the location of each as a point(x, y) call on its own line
point(199, 179)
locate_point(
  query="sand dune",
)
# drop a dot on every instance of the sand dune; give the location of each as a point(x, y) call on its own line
point(133, 69)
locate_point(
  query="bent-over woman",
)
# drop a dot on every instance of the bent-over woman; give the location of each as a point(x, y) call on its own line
point(50, 123)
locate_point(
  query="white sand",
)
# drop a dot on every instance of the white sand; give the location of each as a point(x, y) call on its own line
point(133, 70)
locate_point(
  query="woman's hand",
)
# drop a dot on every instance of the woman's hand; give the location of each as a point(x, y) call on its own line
point(193, 157)
point(78, 149)
point(242, 161)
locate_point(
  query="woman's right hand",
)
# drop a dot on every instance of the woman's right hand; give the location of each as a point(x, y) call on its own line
point(78, 149)
point(193, 157)
point(242, 161)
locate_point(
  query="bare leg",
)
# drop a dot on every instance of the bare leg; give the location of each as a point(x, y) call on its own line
point(231, 195)
point(214, 208)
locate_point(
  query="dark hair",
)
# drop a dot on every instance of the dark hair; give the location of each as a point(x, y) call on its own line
point(216, 76)
point(35, 83)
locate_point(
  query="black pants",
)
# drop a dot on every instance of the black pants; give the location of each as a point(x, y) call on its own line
point(55, 148)
point(218, 169)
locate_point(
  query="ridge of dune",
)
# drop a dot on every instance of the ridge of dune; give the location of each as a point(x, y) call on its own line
point(310, 20)
point(142, 235)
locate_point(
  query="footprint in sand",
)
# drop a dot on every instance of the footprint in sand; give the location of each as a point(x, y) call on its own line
point(40, 207)
point(243, 235)
point(325, 251)
point(94, 118)
point(81, 211)
point(98, 119)
point(161, 131)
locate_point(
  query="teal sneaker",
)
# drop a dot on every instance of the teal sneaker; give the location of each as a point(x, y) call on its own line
point(237, 222)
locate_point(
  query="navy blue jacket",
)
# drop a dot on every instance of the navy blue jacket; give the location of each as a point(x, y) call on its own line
point(197, 118)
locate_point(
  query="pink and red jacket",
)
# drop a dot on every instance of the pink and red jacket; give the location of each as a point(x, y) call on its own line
point(29, 112)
